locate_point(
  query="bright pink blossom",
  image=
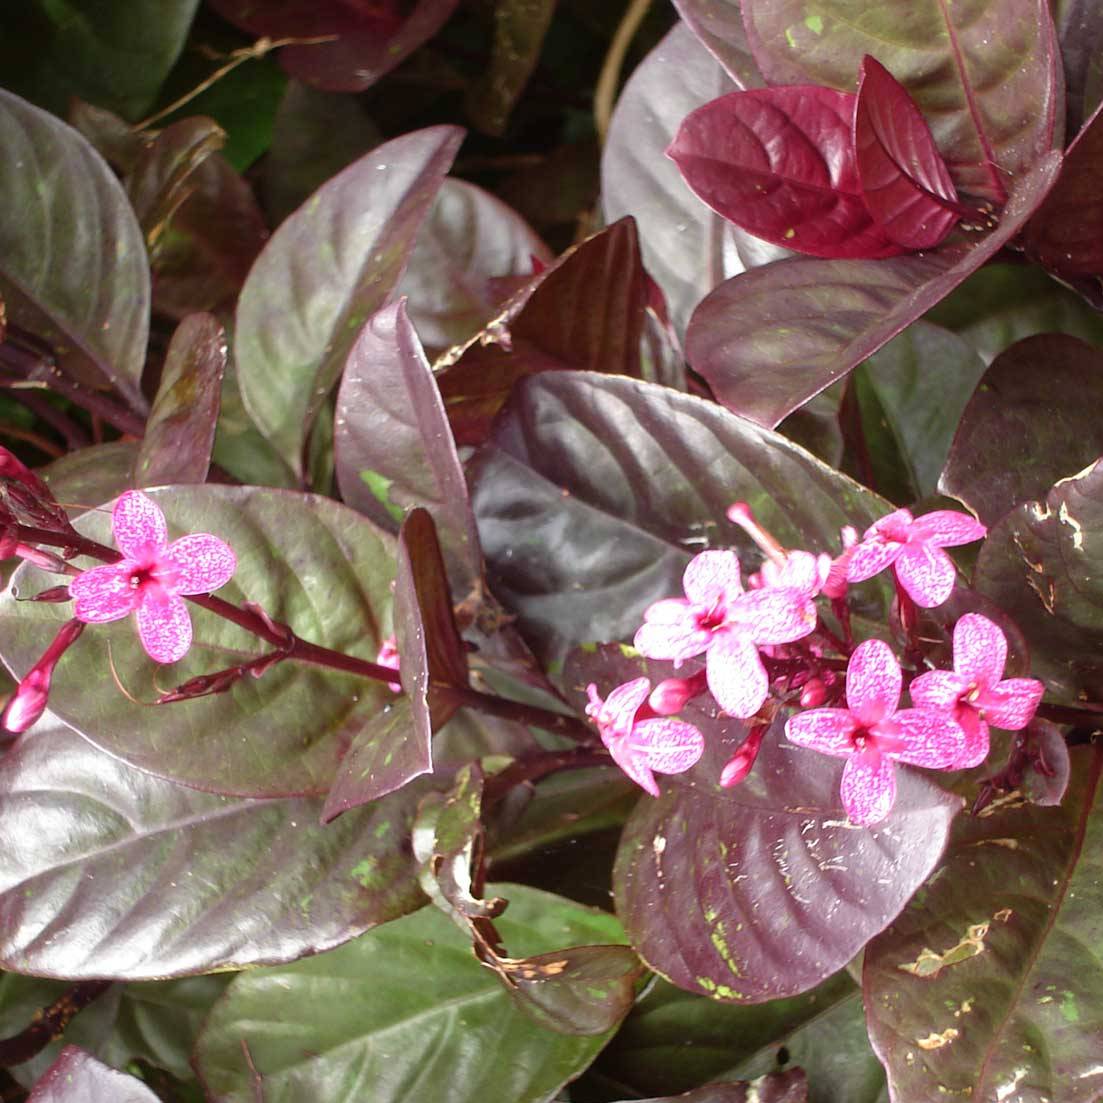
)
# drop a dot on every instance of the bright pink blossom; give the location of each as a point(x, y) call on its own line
point(912, 546)
point(975, 692)
point(151, 577)
point(870, 733)
point(717, 616)
point(641, 745)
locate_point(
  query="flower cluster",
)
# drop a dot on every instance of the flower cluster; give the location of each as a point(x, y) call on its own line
point(765, 636)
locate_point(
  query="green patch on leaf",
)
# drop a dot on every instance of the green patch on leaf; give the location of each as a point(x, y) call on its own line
point(380, 486)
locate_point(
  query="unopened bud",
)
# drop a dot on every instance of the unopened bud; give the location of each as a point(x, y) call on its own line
point(742, 762)
point(9, 541)
point(672, 695)
point(814, 694)
point(54, 595)
point(44, 560)
point(28, 702)
point(739, 513)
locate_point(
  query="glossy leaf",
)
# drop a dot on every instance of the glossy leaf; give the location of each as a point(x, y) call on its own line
point(329, 266)
point(774, 1087)
point(686, 247)
point(595, 492)
point(769, 340)
point(519, 29)
point(780, 163)
point(1040, 564)
point(762, 890)
point(181, 427)
point(673, 1040)
point(397, 746)
point(364, 1015)
point(77, 1077)
point(547, 328)
point(1066, 232)
point(370, 39)
point(170, 881)
point(290, 726)
point(1032, 421)
point(114, 56)
point(905, 183)
point(988, 982)
point(912, 394)
point(73, 267)
point(971, 70)
point(394, 448)
point(469, 240)
point(91, 475)
point(718, 25)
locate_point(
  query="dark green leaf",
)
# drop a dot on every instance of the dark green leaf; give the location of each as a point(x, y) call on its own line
point(73, 268)
point(172, 881)
point(307, 562)
point(988, 984)
point(181, 427)
point(331, 265)
point(405, 1011)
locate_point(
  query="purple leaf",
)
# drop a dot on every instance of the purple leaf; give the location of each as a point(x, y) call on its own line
point(585, 311)
point(687, 248)
point(181, 427)
point(1066, 232)
point(397, 747)
point(1032, 420)
point(393, 444)
point(98, 473)
point(73, 268)
point(988, 983)
point(769, 340)
point(986, 77)
point(172, 881)
point(1043, 565)
point(308, 562)
point(779, 163)
point(329, 266)
point(905, 182)
point(1080, 33)
point(1049, 768)
point(469, 240)
point(369, 39)
point(77, 1077)
point(718, 25)
point(763, 890)
point(600, 486)
point(774, 1087)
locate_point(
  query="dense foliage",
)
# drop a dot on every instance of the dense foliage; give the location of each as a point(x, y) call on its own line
point(487, 622)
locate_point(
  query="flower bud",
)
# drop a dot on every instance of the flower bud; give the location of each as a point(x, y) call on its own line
point(739, 513)
point(670, 696)
point(814, 694)
point(742, 762)
point(28, 702)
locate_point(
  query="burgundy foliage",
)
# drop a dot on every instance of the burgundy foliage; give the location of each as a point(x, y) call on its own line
point(509, 623)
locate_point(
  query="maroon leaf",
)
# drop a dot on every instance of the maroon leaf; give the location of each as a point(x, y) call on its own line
point(1033, 419)
point(1080, 32)
point(393, 445)
point(905, 182)
point(369, 39)
point(988, 985)
point(769, 339)
point(77, 1077)
point(775, 1087)
point(586, 311)
point(779, 162)
point(181, 427)
point(986, 75)
point(762, 890)
point(718, 24)
point(1066, 232)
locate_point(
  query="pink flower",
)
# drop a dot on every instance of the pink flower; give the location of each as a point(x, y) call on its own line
point(870, 733)
point(640, 745)
point(151, 577)
point(388, 656)
point(717, 616)
point(975, 691)
point(913, 547)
